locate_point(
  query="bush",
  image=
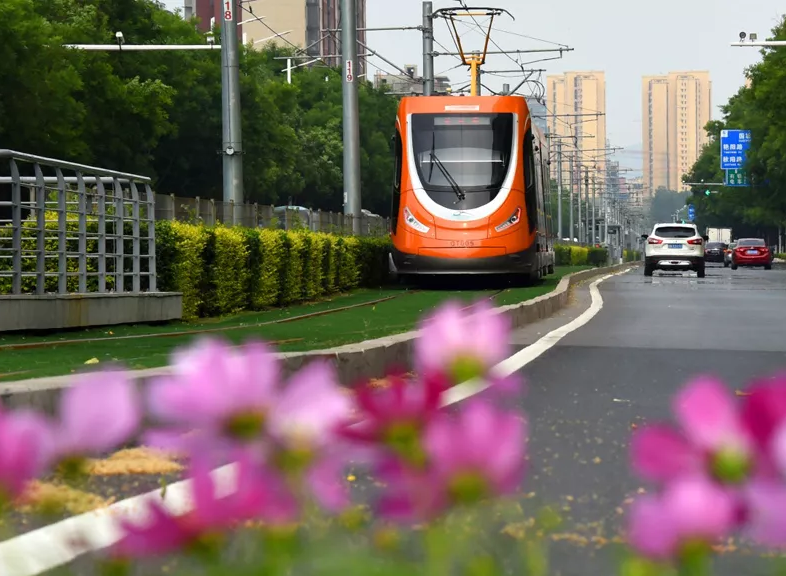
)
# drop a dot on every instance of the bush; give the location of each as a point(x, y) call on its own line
point(223, 270)
point(632, 256)
point(562, 255)
point(597, 256)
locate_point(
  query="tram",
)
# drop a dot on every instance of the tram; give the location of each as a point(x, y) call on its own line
point(470, 188)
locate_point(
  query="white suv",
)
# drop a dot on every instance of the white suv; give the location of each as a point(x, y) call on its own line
point(674, 246)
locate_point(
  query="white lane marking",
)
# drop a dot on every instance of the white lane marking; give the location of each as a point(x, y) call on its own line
point(48, 547)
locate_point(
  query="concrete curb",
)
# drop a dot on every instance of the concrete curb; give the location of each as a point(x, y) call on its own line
point(354, 362)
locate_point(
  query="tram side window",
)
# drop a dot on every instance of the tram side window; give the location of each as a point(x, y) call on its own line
point(395, 200)
point(531, 190)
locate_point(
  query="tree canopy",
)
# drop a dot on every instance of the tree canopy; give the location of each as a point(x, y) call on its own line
point(761, 108)
point(159, 113)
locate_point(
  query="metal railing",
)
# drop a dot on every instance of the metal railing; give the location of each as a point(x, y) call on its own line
point(210, 212)
point(69, 228)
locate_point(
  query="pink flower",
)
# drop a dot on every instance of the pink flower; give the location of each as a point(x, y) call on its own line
point(395, 416)
point(26, 445)
point(713, 438)
point(304, 430)
point(224, 392)
point(689, 510)
point(478, 454)
point(462, 344)
point(260, 495)
point(98, 414)
point(764, 512)
point(764, 414)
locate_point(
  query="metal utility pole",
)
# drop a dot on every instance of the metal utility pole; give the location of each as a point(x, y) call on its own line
point(349, 54)
point(428, 49)
point(585, 236)
point(559, 186)
point(570, 168)
point(232, 141)
point(594, 237)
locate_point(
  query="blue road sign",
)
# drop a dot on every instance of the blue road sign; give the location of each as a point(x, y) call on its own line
point(736, 178)
point(691, 212)
point(734, 144)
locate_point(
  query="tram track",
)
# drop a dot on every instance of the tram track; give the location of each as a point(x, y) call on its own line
point(178, 333)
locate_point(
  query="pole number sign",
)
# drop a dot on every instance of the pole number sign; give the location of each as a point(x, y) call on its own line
point(229, 10)
point(349, 74)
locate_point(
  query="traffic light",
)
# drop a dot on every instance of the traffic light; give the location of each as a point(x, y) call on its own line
point(707, 192)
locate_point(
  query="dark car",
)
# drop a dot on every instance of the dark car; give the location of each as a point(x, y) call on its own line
point(714, 251)
point(751, 252)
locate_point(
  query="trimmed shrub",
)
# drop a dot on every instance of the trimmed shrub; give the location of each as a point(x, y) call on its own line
point(578, 256)
point(562, 254)
point(223, 270)
point(597, 256)
point(632, 256)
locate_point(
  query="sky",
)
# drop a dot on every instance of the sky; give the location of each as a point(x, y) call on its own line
point(624, 38)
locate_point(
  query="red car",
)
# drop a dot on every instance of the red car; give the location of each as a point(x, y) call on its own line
point(751, 252)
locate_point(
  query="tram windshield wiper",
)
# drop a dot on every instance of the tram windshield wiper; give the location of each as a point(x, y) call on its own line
point(453, 184)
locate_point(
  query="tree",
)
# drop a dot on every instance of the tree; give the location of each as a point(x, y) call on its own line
point(760, 208)
point(159, 113)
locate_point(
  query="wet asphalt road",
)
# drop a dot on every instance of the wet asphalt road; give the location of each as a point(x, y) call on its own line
point(620, 370)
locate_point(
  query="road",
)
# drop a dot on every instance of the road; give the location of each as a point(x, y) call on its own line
point(588, 392)
point(622, 369)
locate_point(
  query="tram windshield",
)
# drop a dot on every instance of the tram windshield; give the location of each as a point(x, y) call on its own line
point(462, 159)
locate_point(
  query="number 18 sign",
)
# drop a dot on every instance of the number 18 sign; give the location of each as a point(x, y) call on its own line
point(229, 9)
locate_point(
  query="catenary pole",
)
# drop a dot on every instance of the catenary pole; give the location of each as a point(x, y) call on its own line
point(352, 204)
point(232, 145)
point(428, 49)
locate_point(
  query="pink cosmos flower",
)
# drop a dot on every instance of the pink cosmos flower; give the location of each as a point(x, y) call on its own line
point(304, 428)
point(260, 495)
point(480, 453)
point(26, 445)
point(221, 391)
point(99, 413)
point(463, 344)
point(713, 438)
point(688, 510)
point(397, 414)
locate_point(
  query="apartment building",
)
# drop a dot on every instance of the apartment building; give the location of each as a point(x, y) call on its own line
point(675, 109)
point(576, 103)
point(309, 24)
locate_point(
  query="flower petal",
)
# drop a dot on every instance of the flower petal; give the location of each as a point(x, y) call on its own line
point(651, 529)
point(659, 453)
point(707, 412)
point(99, 413)
point(766, 521)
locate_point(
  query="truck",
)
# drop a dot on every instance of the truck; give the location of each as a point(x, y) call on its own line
point(719, 235)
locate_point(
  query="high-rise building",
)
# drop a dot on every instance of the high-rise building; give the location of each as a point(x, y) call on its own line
point(675, 109)
point(312, 25)
point(571, 99)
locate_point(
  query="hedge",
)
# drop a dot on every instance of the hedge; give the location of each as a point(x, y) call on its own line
point(222, 270)
point(632, 255)
point(567, 255)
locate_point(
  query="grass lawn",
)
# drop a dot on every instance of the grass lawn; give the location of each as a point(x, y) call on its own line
point(354, 325)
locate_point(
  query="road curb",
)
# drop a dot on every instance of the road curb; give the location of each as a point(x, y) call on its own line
point(354, 362)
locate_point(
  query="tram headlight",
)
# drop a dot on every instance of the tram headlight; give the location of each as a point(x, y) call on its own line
point(413, 222)
point(514, 218)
